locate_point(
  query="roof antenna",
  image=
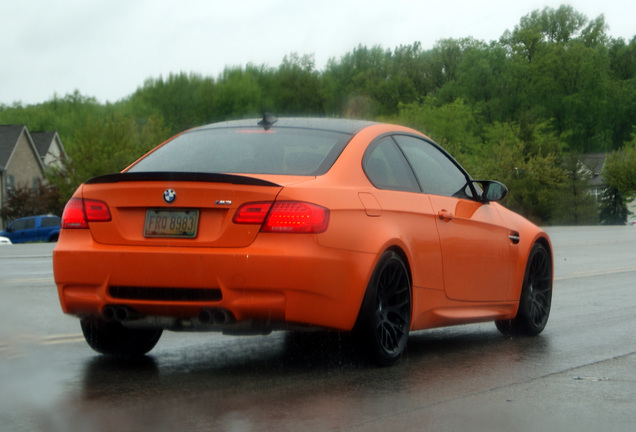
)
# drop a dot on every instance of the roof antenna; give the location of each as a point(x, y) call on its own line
point(268, 121)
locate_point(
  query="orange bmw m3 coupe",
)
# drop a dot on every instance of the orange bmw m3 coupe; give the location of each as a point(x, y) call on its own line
point(297, 223)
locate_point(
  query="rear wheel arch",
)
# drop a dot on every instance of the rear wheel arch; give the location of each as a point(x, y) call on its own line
point(400, 252)
point(385, 315)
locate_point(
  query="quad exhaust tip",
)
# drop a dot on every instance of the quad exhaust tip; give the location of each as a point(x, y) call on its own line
point(215, 316)
point(120, 313)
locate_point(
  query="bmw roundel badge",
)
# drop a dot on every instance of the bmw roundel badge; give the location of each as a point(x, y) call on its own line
point(169, 196)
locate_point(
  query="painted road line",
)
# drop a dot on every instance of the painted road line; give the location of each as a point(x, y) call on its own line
point(592, 273)
point(11, 348)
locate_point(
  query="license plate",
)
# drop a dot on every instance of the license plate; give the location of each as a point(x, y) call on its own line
point(171, 223)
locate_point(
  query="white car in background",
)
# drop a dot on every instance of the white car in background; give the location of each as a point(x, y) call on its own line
point(4, 241)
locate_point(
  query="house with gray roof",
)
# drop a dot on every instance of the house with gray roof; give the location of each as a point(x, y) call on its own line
point(50, 148)
point(592, 166)
point(24, 157)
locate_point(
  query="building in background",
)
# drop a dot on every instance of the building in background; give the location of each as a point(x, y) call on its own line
point(24, 158)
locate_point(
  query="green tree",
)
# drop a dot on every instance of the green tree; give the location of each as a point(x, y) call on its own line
point(534, 180)
point(455, 126)
point(104, 146)
point(546, 26)
point(571, 87)
point(182, 101)
point(483, 81)
point(239, 93)
point(622, 90)
point(613, 207)
point(410, 69)
point(26, 201)
point(575, 204)
point(297, 87)
point(565, 62)
point(359, 80)
point(62, 114)
point(620, 169)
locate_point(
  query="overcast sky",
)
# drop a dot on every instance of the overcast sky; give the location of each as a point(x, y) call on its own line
point(107, 48)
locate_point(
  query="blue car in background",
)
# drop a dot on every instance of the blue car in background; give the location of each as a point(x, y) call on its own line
point(43, 228)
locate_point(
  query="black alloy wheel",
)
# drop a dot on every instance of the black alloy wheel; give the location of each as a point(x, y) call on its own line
point(385, 316)
point(536, 296)
point(113, 339)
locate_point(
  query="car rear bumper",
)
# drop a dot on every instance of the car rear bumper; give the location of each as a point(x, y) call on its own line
point(280, 278)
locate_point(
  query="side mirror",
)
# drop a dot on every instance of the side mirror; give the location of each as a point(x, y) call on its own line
point(491, 190)
point(9, 229)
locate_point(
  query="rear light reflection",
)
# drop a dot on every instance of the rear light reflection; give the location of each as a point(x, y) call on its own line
point(78, 212)
point(284, 216)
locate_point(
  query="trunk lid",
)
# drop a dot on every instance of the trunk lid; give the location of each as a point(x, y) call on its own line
point(132, 197)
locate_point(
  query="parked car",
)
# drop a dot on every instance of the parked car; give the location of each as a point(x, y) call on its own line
point(297, 223)
point(4, 241)
point(43, 228)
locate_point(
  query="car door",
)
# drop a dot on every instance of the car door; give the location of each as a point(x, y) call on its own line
point(31, 231)
point(405, 212)
point(22, 230)
point(474, 243)
point(47, 226)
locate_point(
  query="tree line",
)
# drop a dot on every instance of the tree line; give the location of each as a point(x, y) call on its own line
point(522, 109)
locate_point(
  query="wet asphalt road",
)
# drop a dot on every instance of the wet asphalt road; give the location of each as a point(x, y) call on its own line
point(579, 375)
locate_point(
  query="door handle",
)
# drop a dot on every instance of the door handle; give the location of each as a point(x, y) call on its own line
point(445, 215)
point(514, 237)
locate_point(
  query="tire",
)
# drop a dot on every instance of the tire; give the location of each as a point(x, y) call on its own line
point(113, 339)
point(536, 296)
point(385, 316)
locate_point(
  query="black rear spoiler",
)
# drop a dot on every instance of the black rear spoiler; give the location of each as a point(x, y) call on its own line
point(180, 176)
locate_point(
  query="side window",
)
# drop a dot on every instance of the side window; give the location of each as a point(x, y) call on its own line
point(386, 168)
point(23, 224)
point(10, 183)
point(18, 225)
point(50, 221)
point(435, 171)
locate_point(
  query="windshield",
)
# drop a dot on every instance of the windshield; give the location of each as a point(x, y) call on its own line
point(286, 151)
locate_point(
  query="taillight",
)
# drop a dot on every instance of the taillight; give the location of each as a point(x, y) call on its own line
point(79, 212)
point(296, 217)
point(284, 216)
point(96, 211)
point(252, 213)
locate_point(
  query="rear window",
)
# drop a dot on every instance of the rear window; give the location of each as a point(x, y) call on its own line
point(286, 151)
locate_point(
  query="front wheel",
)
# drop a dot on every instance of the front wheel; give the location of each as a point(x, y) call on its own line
point(385, 315)
point(112, 338)
point(536, 296)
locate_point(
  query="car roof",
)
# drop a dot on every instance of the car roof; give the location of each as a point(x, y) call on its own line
point(37, 216)
point(328, 124)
